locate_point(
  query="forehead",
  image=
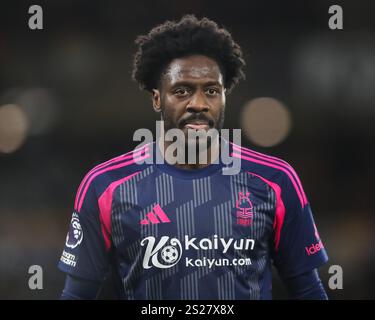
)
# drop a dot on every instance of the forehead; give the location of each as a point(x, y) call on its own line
point(195, 68)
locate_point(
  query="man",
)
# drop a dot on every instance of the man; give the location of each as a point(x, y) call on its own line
point(187, 230)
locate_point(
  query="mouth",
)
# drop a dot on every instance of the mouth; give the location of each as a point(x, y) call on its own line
point(197, 124)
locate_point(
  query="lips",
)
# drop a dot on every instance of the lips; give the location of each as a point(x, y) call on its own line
point(197, 125)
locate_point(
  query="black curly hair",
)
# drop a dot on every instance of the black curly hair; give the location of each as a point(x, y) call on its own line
point(188, 36)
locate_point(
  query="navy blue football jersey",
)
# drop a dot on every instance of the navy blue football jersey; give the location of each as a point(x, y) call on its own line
point(172, 233)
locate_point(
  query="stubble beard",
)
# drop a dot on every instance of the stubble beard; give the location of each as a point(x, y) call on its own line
point(193, 144)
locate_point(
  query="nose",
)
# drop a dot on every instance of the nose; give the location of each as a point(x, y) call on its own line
point(198, 103)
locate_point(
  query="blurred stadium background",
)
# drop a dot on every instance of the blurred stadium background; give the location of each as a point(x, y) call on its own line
point(67, 103)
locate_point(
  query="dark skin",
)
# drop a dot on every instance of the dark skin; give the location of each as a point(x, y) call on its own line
point(191, 96)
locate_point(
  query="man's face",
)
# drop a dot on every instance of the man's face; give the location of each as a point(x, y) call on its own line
point(191, 94)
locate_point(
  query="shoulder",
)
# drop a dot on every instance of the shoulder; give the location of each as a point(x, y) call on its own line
point(270, 168)
point(115, 170)
point(262, 163)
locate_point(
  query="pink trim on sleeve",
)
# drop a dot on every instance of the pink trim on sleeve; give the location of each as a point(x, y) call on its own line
point(105, 208)
point(280, 209)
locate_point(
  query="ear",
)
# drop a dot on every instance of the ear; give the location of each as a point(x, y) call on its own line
point(156, 100)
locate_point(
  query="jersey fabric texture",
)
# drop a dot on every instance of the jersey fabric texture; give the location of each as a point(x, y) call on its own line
point(171, 233)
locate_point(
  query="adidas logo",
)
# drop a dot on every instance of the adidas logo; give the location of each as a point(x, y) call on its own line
point(157, 215)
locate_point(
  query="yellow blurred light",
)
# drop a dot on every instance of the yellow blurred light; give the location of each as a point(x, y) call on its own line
point(265, 121)
point(13, 128)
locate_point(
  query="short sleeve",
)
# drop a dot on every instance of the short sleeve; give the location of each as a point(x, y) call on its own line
point(85, 254)
point(298, 247)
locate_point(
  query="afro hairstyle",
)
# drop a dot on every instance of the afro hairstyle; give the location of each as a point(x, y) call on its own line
point(186, 37)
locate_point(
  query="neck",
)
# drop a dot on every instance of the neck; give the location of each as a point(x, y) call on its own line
point(203, 157)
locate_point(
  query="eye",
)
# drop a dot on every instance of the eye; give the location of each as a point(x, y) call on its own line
point(181, 92)
point(212, 91)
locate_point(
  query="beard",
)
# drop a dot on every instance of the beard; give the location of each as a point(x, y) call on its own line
point(169, 123)
point(195, 141)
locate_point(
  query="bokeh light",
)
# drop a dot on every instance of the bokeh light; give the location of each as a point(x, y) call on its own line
point(265, 121)
point(13, 128)
point(40, 106)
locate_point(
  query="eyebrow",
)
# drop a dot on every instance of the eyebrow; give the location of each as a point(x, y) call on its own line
point(190, 84)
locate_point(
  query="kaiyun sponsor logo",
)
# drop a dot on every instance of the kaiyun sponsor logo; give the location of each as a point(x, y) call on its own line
point(167, 251)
